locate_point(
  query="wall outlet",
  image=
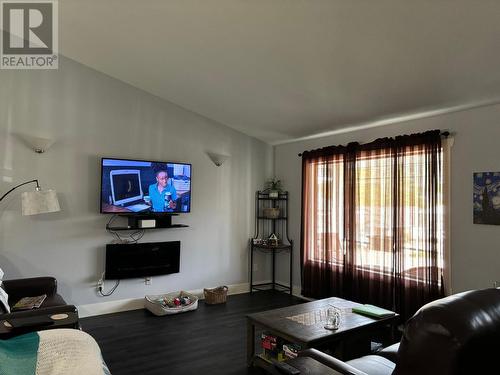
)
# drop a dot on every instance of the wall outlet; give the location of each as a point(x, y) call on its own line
point(148, 280)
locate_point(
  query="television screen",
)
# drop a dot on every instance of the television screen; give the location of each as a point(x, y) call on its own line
point(144, 187)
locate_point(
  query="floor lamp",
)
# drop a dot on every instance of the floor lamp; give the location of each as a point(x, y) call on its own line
point(38, 201)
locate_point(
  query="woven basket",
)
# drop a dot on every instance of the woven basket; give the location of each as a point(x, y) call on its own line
point(271, 212)
point(215, 295)
point(153, 303)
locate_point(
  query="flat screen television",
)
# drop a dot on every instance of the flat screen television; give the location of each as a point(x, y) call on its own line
point(137, 187)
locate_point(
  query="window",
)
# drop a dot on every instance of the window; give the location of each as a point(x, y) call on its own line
point(373, 219)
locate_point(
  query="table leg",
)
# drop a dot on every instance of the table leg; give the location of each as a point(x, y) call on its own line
point(274, 269)
point(291, 268)
point(250, 342)
point(251, 267)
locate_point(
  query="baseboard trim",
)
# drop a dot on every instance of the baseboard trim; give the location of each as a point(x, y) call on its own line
point(110, 307)
point(296, 289)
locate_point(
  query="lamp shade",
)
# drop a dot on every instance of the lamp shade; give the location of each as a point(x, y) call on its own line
point(39, 202)
point(218, 159)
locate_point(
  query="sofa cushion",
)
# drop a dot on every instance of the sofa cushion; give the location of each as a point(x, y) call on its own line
point(373, 365)
point(390, 353)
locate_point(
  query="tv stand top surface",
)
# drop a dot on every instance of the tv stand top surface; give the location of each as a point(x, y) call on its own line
point(129, 227)
point(161, 222)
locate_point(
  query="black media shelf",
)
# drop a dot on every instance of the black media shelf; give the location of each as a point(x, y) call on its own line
point(137, 228)
point(161, 222)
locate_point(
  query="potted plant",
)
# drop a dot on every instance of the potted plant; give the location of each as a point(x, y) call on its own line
point(273, 186)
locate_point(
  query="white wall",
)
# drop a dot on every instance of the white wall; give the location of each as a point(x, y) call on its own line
point(91, 115)
point(475, 249)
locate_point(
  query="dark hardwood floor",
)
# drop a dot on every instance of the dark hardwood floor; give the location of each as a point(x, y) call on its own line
point(210, 340)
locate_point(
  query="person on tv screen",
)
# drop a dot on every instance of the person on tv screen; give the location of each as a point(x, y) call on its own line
point(162, 194)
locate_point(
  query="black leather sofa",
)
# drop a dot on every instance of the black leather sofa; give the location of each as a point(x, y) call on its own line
point(456, 335)
point(53, 304)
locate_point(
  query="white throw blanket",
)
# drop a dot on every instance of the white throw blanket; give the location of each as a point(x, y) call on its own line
point(68, 351)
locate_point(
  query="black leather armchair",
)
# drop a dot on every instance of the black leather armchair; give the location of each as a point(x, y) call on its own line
point(19, 288)
point(456, 335)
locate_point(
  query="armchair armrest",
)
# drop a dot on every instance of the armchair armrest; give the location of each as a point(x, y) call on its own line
point(40, 312)
point(391, 352)
point(331, 362)
point(43, 314)
point(35, 286)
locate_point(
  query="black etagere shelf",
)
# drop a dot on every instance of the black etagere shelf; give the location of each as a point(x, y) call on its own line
point(266, 224)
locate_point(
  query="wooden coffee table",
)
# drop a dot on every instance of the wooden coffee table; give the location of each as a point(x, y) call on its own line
point(303, 324)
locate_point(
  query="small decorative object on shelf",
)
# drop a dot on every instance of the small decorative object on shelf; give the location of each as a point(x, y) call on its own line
point(271, 234)
point(273, 186)
point(273, 240)
point(271, 212)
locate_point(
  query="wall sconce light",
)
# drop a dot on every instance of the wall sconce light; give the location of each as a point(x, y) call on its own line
point(37, 144)
point(218, 159)
point(40, 145)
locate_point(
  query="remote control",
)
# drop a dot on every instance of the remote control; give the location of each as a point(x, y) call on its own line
point(285, 368)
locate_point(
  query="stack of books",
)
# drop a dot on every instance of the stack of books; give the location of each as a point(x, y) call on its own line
point(291, 350)
point(373, 311)
point(28, 303)
point(272, 348)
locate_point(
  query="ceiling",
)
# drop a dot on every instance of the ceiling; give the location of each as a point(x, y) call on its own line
point(285, 69)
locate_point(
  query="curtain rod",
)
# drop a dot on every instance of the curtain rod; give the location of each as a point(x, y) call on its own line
point(444, 134)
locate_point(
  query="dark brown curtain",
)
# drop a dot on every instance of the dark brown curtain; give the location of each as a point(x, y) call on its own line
point(369, 219)
point(418, 221)
point(372, 222)
point(322, 224)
